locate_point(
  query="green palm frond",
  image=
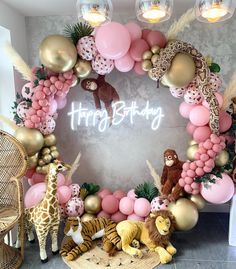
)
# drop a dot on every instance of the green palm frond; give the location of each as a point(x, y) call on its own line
point(147, 190)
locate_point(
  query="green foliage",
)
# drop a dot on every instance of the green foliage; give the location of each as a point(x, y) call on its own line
point(77, 31)
point(91, 188)
point(215, 68)
point(206, 178)
point(147, 190)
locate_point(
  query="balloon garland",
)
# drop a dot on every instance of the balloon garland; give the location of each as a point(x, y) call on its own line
point(176, 64)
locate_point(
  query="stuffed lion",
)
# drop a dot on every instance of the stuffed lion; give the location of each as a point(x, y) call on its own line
point(154, 233)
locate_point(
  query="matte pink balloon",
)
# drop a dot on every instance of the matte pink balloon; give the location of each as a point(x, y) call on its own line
point(63, 194)
point(103, 214)
point(201, 134)
point(60, 180)
point(191, 128)
point(119, 194)
point(142, 207)
point(185, 109)
point(35, 194)
point(199, 115)
point(29, 173)
point(135, 217)
point(138, 47)
point(131, 194)
point(110, 204)
point(188, 188)
point(118, 217)
point(125, 64)
point(156, 38)
point(61, 102)
point(220, 192)
point(225, 121)
point(219, 97)
point(104, 192)
point(145, 33)
point(113, 40)
point(199, 172)
point(134, 29)
point(138, 69)
point(53, 107)
point(126, 205)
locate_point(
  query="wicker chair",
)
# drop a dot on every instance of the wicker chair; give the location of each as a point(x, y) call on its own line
point(13, 164)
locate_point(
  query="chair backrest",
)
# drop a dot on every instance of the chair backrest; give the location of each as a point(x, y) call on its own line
point(13, 163)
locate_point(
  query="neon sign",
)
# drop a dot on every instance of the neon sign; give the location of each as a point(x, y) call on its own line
point(80, 115)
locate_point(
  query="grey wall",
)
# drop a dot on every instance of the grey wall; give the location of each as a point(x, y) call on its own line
point(116, 158)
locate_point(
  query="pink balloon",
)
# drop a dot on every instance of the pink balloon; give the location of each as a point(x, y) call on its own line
point(142, 207)
point(104, 192)
point(110, 204)
point(103, 214)
point(53, 107)
point(138, 47)
point(75, 190)
point(225, 121)
point(118, 217)
point(60, 102)
point(27, 90)
point(188, 188)
point(199, 172)
point(145, 33)
point(185, 109)
point(126, 205)
point(60, 180)
point(131, 194)
point(201, 134)
point(29, 173)
point(135, 217)
point(35, 194)
point(75, 207)
point(63, 194)
point(220, 192)
point(219, 97)
point(134, 29)
point(119, 194)
point(138, 69)
point(124, 64)
point(191, 128)
point(199, 115)
point(156, 38)
point(112, 40)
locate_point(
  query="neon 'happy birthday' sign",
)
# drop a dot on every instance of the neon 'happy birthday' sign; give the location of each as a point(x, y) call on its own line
point(83, 116)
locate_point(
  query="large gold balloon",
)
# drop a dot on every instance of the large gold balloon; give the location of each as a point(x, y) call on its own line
point(222, 159)
point(192, 142)
point(57, 53)
point(147, 65)
point(31, 139)
point(147, 55)
point(92, 204)
point(191, 152)
point(82, 68)
point(50, 140)
point(181, 72)
point(185, 213)
point(198, 200)
point(33, 161)
point(87, 217)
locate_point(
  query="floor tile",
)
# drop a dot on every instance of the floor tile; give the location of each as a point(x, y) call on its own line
point(205, 265)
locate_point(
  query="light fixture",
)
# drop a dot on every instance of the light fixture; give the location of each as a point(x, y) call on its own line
point(154, 11)
point(212, 11)
point(95, 12)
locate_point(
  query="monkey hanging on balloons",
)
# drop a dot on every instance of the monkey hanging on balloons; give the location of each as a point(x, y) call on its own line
point(102, 91)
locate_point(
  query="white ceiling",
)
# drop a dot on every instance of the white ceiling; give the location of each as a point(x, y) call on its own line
point(67, 7)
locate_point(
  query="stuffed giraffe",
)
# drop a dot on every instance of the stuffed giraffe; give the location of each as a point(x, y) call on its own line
point(45, 216)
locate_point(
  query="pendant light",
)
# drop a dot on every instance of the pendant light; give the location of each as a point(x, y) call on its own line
point(94, 12)
point(154, 11)
point(212, 11)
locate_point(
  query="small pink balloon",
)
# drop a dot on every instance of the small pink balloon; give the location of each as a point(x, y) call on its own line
point(118, 217)
point(201, 134)
point(110, 204)
point(217, 148)
point(215, 139)
point(60, 180)
point(35, 194)
point(134, 29)
point(200, 164)
point(199, 172)
point(40, 95)
point(185, 109)
point(126, 205)
point(131, 194)
point(60, 102)
point(193, 166)
point(186, 166)
point(145, 33)
point(208, 144)
point(202, 150)
point(156, 38)
point(53, 107)
point(183, 174)
point(191, 173)
point(35, 119)
point(196, 191)
point(142, 207)
point(219, 98)
point(181, 182)
point(197, 156)
point(103, 214)
point(225, 121)
point(135, 217)
point(104, 192)
point(31, 111)
point(138, 69)
point(138, 47)
point(124, 64)
point(195, 185)
point(188, 180)
point(210, 163)
point(119, 194)
point(199, 115)
point(211, 153)
point(63, 194)
point(35, 105)
point(219, 192)
point(207, 169)
point(204, 157)
point(188, 188)
point(191, 128)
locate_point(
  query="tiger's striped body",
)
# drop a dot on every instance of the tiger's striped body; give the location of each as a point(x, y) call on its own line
point(83, 233)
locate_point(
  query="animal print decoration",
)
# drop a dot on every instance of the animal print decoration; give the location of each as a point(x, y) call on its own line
point(202, 75)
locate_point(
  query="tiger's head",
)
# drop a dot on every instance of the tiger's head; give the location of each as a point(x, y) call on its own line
point(73, 228)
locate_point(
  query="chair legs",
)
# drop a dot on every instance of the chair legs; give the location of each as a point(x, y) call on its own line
point(22, 236)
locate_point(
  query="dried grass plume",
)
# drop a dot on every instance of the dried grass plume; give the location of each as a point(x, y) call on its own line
point(230, 92)
point(74, 167)
point(8, 122)
point(155, 176)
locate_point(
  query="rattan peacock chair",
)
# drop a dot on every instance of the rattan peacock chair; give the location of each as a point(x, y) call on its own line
point(13, 165)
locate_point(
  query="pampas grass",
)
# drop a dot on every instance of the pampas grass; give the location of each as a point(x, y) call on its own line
point(74, 167)
point(183, 22)
point(155, 176)
point(17, 61)
point(229, 92)
point(9, 122)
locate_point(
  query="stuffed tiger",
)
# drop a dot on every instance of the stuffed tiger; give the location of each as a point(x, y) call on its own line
point(83, 233)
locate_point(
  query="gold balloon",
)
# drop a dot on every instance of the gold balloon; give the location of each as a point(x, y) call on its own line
point(31, 139)
point(87, 217)
point(185, 213)
point(55, 154)
point(155, 58)
point(164, 82)
point(191, 152)
point(50, 140)
point(92, 204)
point(46, 151)
point(147, 65)
point(155, 49)
point(182, 71)
point(82, 68)
point(41, 162)
point(147, 55)
point(52, 148)
point(57, 53)
point(75, 82)
point(222, 159)
point(198, 201)
point(33, 161)
point(192, 142)
point(39, 169)
point(44, 169)
point(47, 158)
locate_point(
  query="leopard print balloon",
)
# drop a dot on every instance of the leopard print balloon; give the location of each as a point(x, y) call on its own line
point(202, 75)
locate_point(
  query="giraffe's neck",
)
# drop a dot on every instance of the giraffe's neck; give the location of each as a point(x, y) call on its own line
point(51, 193)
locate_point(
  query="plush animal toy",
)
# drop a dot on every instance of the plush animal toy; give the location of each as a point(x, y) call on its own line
point(171, 174)
point(83, 233)
point(154, 233)
point(102, 91)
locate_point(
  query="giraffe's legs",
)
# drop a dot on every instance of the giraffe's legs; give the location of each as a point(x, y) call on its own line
point(54, 234)
point(42, 235)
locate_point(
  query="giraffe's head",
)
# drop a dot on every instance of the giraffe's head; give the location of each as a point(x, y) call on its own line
point(58, 166)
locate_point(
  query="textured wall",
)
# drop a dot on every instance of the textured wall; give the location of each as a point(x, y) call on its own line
point(116, 158)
